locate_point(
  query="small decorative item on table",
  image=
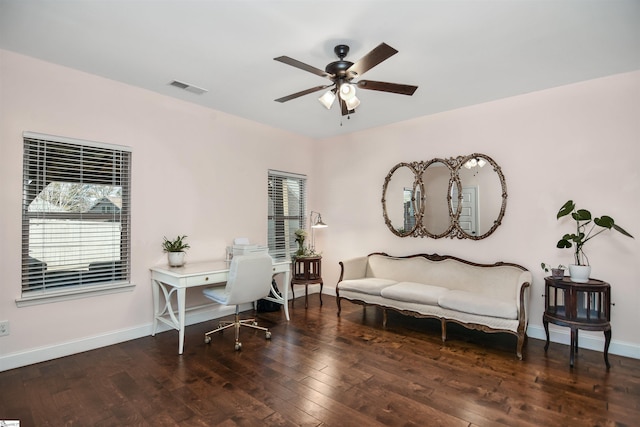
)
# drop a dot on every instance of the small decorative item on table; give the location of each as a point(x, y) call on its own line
point(175, 250)
point(557, 273)
point(301, 235)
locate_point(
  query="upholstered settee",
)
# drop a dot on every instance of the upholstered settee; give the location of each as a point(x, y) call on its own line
point(485, 297)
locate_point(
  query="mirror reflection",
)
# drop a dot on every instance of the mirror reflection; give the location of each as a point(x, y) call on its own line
point(401, 199)
point(436, 178)
point(463, 197)
point(482, 196)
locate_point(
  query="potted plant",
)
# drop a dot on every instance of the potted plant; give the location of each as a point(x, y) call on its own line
point(175, 250)
point(556, 272)
point(301, 235)
point(587, 228)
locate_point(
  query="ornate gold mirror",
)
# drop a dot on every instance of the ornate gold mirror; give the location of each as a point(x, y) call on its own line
point(437, 218)
point(463, 197)
point(484, 196)
point(401, 199)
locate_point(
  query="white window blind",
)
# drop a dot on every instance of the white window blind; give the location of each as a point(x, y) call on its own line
point(75, 215)
point(286, 212)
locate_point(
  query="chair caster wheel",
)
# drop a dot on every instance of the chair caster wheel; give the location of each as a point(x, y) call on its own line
point(267, 335)
point(238, 346)
point(207, 339)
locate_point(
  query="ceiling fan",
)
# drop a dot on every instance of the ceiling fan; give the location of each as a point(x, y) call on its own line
point(342, 72)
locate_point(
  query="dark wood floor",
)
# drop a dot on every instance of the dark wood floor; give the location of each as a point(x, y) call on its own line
point(321, 370)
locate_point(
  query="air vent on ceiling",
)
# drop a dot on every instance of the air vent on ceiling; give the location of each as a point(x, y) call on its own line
point(188, 87)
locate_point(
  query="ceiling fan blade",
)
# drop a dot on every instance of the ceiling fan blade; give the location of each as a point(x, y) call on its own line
point(302, 93)
point(380, 53)
point(303, 66)
point(387, 87)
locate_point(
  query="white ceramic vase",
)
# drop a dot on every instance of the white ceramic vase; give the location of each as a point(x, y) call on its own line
point(579, 273)
point(176, 259)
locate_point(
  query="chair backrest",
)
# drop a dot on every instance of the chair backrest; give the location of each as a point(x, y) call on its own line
point(249, 278)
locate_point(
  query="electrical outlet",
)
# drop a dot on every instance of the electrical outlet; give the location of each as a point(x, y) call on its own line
point(4, 328)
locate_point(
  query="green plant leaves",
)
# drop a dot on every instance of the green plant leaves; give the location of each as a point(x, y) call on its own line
point(176, 245)
point(621, 230)
point(583, 219)
point(564, 242)
point(566, 209)
point(581, 215)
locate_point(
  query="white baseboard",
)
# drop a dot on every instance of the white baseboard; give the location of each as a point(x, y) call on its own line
point(41, 354)
point(588, 341)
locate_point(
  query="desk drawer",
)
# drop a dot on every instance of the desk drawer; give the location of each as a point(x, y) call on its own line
point(206, 279)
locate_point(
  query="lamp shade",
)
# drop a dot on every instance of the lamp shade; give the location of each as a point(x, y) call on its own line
point(327, 99)
point(352, 103)
point(318, 223)
point(347, 91)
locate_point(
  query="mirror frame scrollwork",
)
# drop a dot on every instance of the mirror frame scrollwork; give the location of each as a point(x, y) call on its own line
point(453, 180)
point(454, 229)
point(417, 204)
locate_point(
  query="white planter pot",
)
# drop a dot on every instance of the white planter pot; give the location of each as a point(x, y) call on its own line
point(176, 259)
point(579, 273)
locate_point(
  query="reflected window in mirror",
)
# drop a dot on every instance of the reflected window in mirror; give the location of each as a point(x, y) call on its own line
point(483, 196)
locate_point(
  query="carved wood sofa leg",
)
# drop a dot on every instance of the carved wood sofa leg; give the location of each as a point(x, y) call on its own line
point(443, 322)
point(338, 300)
point(521, 340)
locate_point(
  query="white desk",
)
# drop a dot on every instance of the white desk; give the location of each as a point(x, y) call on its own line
point(176, 280)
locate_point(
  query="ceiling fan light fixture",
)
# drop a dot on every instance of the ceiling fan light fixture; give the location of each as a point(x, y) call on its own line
point(352, 103)
point(327, 99)
point(342, 72)
point(471, 163)
point(347, 91)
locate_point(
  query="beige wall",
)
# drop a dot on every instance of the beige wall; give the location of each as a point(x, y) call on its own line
point(579, 142)
point(203, 173)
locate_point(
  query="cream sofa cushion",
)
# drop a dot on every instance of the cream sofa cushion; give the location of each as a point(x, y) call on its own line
point(493, 282)
point(369, 285)
point(469, 302)
point(414, 292)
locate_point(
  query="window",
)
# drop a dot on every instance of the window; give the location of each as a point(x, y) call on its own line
point(75, 216)
point(286, 212)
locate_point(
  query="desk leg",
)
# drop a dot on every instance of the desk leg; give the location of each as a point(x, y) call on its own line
point(181, 316)
point(155, 289)
point(285, 295)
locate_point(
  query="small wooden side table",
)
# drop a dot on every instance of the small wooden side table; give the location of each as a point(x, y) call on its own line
point(578, 306)
point(306, 271)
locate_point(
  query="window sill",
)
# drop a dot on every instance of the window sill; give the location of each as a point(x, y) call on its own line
point(37, 298)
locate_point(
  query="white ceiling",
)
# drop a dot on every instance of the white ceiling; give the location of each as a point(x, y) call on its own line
point(459, 53)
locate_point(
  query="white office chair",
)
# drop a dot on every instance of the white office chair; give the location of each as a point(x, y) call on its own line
point(249, 280)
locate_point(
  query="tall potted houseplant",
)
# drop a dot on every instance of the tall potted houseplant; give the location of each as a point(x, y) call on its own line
point(175, 250)
point(587, 228)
